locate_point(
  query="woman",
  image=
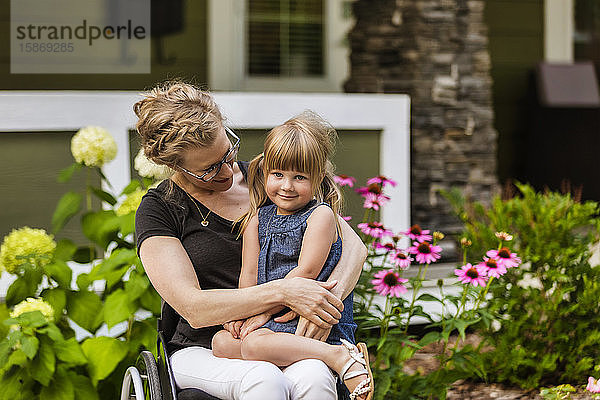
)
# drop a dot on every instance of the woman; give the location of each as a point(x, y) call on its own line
point(193, 256)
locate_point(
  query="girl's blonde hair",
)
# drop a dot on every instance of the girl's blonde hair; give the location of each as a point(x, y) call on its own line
point(305, 144)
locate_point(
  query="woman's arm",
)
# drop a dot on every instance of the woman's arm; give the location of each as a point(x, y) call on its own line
point(172, 275)
point(346, 273)
point(349, 268)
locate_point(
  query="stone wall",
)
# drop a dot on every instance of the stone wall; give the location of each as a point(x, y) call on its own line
point(435, 51)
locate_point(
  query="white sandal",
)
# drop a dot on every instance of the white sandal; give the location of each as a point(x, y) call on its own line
point(358, 355)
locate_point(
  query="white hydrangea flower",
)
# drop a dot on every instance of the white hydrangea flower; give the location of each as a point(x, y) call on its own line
point(149, 169)
point(26, 245)
point(93, 146)
point(32, 304)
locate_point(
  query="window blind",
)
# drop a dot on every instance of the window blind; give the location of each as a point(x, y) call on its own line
point(285, 38)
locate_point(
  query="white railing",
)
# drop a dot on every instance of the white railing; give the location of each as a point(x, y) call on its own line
point(40, 111)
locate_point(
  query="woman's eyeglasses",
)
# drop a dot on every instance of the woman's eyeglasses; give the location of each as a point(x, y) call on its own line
point(214, 169)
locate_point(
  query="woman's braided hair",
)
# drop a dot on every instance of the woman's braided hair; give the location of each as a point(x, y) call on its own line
point(176, 116)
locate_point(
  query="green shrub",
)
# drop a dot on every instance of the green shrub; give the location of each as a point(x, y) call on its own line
point(40, 357)
point(547, 328)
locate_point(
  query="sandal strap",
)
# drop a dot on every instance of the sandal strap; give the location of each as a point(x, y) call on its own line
point(348, 364)
point(362, 388)
point(354, 374)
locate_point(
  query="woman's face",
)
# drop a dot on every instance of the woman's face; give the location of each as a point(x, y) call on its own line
point(202, 160)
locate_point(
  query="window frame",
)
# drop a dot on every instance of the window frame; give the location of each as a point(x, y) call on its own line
point(227, 56)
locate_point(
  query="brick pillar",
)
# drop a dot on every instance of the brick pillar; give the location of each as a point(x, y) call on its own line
point(436, 52)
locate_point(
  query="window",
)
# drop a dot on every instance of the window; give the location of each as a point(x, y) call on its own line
point(278, 45)
point(586, 38)
point(284, 38)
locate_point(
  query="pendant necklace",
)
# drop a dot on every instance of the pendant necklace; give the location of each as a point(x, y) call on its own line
point(204, 222)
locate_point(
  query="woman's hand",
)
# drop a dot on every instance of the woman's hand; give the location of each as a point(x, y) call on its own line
point(312, 300)
point(305, 327)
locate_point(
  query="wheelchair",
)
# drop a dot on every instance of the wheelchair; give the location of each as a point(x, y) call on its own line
point(152, 378)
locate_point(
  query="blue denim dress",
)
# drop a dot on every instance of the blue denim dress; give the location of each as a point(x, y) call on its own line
point(280, 238)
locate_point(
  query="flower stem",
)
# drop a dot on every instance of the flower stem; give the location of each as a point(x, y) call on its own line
point(416, 288)
point(487, 287)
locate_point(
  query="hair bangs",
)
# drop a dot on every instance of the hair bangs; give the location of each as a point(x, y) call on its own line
point(294, 152)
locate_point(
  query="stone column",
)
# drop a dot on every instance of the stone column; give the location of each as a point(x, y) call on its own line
point(436, 52)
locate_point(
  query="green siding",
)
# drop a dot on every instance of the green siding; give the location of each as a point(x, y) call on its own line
point(188, 48)
point(30, 164)
point(516, 44)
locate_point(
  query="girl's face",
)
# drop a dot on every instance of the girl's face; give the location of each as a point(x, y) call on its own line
point(288, 190)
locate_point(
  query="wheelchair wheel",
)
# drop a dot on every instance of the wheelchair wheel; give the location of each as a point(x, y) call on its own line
point(146, 364)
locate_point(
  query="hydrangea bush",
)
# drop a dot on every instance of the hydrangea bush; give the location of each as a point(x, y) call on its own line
point(40, 357)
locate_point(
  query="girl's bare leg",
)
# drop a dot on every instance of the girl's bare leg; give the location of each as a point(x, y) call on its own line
point(283, 349)
point(224, 345)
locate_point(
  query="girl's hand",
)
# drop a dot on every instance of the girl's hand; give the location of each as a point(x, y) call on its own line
point(305, 327)
point(253, 323)
point(312, 300)
point(233, 327)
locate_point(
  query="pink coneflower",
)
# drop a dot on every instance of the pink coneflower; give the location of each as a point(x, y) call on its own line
point(375, 201)
point(504, 257)
point(389, 282)
point(425, 252)
point(474, 275)
point(372, 188)
point(387, 247)
point(344, 180)
point(381, 180)
point(593, 385)
point(416, 233)
point(347, 218)
point(374, 229)
point(401, 259)
point(491, 267)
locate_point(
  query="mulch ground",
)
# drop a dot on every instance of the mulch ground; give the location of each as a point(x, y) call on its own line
point(424, 361)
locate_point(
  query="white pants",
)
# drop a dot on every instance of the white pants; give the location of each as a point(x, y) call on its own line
point(230, 379)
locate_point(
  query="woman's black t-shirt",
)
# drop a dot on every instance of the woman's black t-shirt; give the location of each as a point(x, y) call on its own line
point(214, 250)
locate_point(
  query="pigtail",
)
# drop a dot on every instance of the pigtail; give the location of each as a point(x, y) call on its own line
point(256, 187)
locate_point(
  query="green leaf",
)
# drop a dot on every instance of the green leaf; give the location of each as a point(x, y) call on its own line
point(143, 335)
point(17, 357)
point(66, 174)
point(60, 272)
point(25, 286)
point(70, 352)
point(85, 309)
point(118, 307)
point(65, 249)
point(12, 385)
point(61, 388)
point(136, 285)
point(57, 298)
point(68, 206)
point(104, 354)
point(30, 345)
point(5, 349)
point(127, 224)
point(4, 314)
point(151, 301)
point(52, 332)
point(33, 319)
point(83, 386)
point(100, 227)
point(428, 297)
point(44, 364)
point(104, 196)
point(85, 254)
point(131, 187)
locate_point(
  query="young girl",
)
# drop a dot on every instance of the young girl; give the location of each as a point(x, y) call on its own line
point(295, 235)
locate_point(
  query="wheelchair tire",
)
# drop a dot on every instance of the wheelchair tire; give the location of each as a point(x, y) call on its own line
point(146, 364)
